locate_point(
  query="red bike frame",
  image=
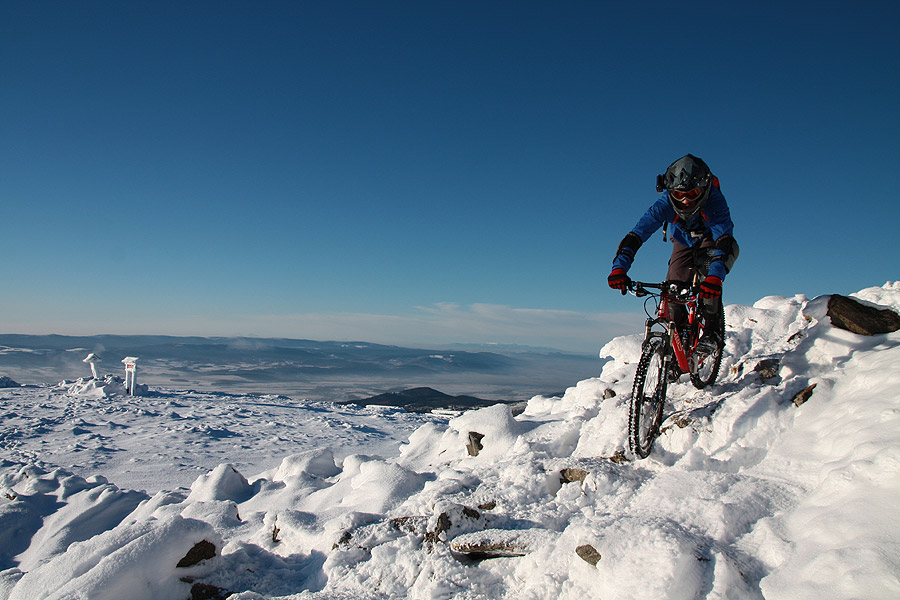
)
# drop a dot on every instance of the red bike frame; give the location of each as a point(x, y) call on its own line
point(677, 345)
point(686, 298)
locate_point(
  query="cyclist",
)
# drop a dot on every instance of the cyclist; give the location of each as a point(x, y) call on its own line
point(703, 245)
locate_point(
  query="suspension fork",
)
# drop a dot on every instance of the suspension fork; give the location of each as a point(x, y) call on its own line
point(675, 340)
point(678, 347)
point(669, 335)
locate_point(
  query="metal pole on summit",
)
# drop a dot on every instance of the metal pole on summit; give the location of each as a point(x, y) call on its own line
point(130, 374)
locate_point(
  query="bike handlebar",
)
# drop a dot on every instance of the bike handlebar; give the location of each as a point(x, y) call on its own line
point(639, 289)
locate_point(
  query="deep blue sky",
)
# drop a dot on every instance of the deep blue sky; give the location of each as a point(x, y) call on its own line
point(423, 172)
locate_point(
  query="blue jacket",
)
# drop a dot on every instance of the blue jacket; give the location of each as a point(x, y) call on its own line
point(714, 221)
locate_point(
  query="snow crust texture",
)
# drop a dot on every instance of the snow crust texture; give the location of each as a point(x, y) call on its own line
point(745, 495)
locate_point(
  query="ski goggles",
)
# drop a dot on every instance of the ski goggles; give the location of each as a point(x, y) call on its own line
point(686, 195)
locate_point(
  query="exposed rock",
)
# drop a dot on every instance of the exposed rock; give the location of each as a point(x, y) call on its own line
point(489, 549)
point(683, 421)
point(767, 368)
point(797, 336)
point(490, 505)
point(572, 475)
point(201, 551)
point(588, 554)
point(499, 543)
point(619, 457)
point(451, 520)
point(344, 541)
point(803, 395)
point(415, 525)
point(608, 393)
point(471, 512)
point(275, 531)
point(367, 536)
point(443, 524)
point(204, 591)
point(475, 446)
point(852, 315)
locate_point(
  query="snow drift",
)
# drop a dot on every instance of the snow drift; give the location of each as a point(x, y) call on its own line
point(752, 491)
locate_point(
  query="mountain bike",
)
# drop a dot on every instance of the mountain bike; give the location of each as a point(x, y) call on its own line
point(669, 350)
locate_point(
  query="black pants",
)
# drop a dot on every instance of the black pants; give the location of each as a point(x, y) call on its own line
point(684, 264)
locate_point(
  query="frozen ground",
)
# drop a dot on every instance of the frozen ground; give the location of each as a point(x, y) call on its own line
point(166, 439)
point(745, 494)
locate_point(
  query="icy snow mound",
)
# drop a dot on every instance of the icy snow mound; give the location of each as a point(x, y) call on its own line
point(746, 495)
point(104, 387)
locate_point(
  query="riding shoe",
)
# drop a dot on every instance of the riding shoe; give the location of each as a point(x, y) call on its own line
point(709, 342)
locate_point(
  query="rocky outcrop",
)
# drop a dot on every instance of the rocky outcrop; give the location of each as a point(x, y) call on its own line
point(483, 545)
point(450, 520)
point(202, 550)
point(864, 319)
point(502, 543)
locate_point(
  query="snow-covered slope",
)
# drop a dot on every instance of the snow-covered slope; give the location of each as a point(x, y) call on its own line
point(746, 494)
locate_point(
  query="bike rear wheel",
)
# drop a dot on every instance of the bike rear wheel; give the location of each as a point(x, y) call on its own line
point(705, 366)
point(648, 397)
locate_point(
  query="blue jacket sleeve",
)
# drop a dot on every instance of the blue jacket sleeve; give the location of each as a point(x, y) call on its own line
point(720, 226)
point(715, 215)
point(659, 212)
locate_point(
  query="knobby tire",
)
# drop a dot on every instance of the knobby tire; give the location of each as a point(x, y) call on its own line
point(648, 397)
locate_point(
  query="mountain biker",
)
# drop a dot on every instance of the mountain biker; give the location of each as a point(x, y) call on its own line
point(703, 245)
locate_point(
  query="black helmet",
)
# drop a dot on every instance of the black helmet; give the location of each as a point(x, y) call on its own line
point(688, 177)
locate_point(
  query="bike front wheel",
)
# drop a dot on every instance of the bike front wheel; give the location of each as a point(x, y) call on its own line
point(648, 397)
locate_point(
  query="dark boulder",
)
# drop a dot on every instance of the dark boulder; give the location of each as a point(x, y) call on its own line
point(201, 551)
point(852, 315)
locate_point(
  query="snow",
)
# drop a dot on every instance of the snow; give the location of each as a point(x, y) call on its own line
point(745, 494)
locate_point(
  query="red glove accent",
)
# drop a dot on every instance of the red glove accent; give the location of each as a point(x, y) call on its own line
point(618, 280)
point(711, 288)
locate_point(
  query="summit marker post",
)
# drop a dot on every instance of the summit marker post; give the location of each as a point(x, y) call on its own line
point(130, 375)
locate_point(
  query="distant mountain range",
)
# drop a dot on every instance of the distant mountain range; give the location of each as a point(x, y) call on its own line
point(253, 359)
point(424, 399)
point(308, 368)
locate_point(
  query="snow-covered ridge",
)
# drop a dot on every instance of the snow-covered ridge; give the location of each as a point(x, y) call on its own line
point(746, 494)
